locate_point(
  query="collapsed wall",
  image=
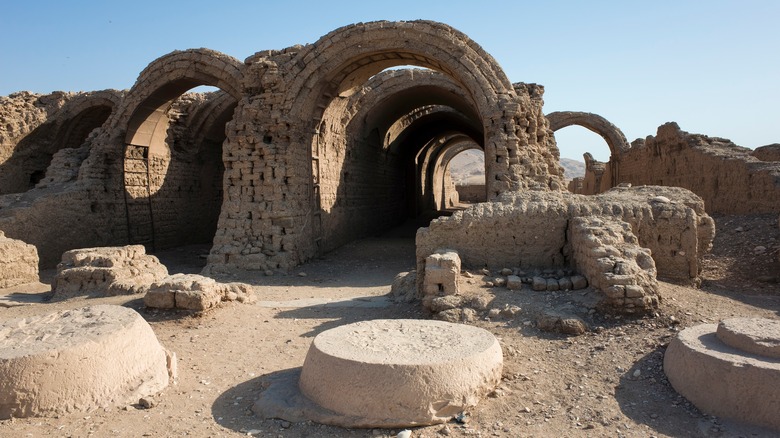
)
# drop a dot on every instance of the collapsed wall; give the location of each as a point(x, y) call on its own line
point(528, 230)
point(729, 178)
point(20, 115)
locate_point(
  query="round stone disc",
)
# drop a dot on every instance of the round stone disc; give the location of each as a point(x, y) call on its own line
point(752, 335)
point(78, 360)
point(402, 372)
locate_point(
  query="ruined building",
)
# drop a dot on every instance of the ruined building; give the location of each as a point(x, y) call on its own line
point(731, 179)
point(304, 149)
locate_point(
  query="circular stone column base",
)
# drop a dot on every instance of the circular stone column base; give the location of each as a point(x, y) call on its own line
point(79, 360)
point(717, 368)
point(401, 372)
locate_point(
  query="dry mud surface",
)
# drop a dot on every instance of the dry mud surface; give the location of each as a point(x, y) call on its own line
point(607, 382)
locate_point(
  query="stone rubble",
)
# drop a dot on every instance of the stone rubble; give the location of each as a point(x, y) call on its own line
point(106, 271)
point(195, 292)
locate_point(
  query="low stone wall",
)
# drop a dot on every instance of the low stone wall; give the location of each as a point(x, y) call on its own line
point(18, 262)
point(528, 230)
point(606, 251)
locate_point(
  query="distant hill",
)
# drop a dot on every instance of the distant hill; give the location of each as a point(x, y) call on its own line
point(469, 168)
point(572, 168)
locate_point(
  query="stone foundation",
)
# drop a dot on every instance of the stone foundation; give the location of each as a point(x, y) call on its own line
point(106, 271)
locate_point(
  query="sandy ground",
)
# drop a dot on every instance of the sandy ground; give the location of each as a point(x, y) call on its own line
point(608, 382)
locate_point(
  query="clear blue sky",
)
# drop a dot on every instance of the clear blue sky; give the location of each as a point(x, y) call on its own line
point(712, 66)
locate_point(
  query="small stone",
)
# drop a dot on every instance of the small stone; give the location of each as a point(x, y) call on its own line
point(506, 272)
point(146, 402)
point(513, 282)
point(760, 249)
point(285, 424)
point(661, 199)
point(565, 283)
point(269, 273)
point(552, 284)
point(637, 372)
point(539, 284)
point(739, 229)
point(446, 431)
point(480, 302)
point(468, 274)
point(578, 282)
point(494, 313)
point(510, 311)
point(499, 281)
point(484, 271)
point(302, 274)
point(404, 434)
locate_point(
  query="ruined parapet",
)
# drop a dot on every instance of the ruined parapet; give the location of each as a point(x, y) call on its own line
point(79, 360)
point(528, 229)
point(18, 262)
point(730, 179)
point(106, 271)
point(195, 292)
point(606, 251)
point(730, 369)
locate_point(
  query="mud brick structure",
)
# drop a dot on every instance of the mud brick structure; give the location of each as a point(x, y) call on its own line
point(731, 179)
point(301, 150)
point(544, 229)
point(306, 148)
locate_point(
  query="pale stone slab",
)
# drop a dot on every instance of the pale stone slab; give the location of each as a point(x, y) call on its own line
point(79, 360)
point(753, 335)
point(394, 373)
point(722, 380)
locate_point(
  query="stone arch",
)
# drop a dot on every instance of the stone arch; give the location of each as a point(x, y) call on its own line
point(85, 112)
point(144, 116)
point(614, 137)
point(443, 187)
point(163, 184)
point(395, 98)
point(347, 57)
point(339, 62)
point(67, 128)
point(610, 133)
point(357, 126)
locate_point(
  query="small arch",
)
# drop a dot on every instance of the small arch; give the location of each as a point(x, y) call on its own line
point(614, 137)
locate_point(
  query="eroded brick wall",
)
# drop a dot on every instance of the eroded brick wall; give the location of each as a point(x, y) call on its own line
point(527, 230)
point(728, 177)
